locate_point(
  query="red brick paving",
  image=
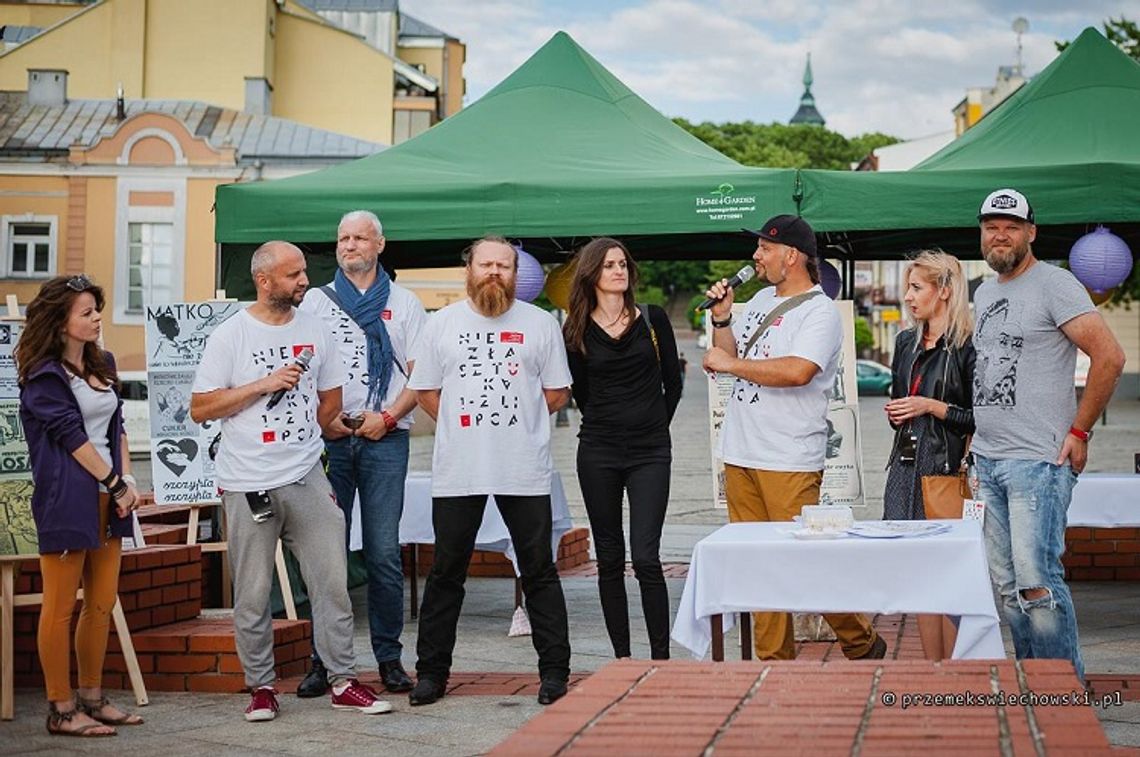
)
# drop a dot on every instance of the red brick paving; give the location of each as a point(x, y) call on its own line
point(678, 707)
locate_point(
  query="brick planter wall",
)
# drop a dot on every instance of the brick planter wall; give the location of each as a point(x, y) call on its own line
point(573, 550)
point(1102, 554)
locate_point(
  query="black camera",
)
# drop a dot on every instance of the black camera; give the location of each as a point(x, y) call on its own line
point(260, 506)
point(908, 446)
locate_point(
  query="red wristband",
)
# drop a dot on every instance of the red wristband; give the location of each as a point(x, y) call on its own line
point(1082, 435)
point(389, 421)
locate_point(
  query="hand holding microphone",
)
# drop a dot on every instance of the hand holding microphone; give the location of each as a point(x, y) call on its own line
point(719, 292)
point(286, 378)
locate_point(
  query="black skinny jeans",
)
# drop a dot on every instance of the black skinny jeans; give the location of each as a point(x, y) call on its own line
point(605, 473)
point(456, 521)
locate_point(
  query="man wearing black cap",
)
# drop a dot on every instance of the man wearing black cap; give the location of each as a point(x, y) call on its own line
point(1032, 438)
point(784, 352)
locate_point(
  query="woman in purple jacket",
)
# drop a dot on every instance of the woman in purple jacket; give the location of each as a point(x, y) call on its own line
point(84, 494)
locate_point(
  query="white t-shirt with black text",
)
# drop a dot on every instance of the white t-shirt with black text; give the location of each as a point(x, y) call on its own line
point(260, 448)
point(492, 434)
point(403, 316)
point(783, 428)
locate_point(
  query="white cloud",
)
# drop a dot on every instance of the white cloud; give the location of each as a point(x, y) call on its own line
point(894, 66)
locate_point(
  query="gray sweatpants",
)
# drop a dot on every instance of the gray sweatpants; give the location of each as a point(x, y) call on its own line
point(308, 521)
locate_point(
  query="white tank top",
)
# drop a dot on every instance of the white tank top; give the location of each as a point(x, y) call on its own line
point(98, 407)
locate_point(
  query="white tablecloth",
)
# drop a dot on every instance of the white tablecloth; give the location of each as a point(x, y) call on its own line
point(416, 526)
point(760, 566)
point(1106, 500)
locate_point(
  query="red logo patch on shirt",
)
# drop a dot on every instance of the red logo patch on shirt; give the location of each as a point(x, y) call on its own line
point(465, 421)
point(778, 321)
point(511, 337)
point(299, 348)
point(268, 437)
point(386, 315)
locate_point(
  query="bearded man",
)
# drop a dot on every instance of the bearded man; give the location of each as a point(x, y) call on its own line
point(1032, 437)
point(490, 370)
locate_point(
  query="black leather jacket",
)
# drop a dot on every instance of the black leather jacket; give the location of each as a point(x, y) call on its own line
point(947, 375)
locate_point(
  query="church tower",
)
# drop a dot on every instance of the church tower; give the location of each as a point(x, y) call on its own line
point(807, 113)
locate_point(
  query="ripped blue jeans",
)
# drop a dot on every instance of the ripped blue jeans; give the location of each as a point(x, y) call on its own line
point(1027, 504)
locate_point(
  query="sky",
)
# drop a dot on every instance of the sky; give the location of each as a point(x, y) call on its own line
point(892, 66)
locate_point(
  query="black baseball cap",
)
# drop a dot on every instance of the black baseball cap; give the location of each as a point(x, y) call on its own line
point(790, 230)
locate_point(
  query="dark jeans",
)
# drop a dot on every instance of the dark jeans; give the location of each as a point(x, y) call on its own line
point(377, 471)
point(605, 473)
point(456, 521)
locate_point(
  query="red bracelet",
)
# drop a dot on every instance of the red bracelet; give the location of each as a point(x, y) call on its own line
point(389, 421)
point(1082, 435)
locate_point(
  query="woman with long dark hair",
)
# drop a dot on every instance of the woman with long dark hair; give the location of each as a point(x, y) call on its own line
point(931, 406)
point(627, 383)
point(84, 494)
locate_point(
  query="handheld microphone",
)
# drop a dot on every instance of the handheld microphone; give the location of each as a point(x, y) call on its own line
point(303, 363)
point(744, 274)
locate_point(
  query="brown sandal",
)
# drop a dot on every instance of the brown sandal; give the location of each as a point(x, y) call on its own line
point(56, 719)
point(92, 708)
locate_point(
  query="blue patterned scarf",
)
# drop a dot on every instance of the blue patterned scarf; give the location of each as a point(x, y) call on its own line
point(366, 310)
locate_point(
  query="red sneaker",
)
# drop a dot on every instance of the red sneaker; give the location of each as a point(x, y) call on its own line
point(359, 697)
point(263, 705)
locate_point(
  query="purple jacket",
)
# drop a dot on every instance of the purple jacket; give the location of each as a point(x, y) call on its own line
point(63, 502)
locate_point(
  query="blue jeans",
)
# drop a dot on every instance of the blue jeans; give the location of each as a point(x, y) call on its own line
point(377, 471)
point(1027, 504)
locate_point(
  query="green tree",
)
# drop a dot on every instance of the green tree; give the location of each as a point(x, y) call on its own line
point(673, 276)
point(784, 146)
point(864, 339)
point(1125, 34)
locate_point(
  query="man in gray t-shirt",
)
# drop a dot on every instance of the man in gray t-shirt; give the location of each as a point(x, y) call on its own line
point(1032, 438)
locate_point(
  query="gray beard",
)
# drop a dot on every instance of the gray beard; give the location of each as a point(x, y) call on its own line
point(361, 267)
point(1003, 265)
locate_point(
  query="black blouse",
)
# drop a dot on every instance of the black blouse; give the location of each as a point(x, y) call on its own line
point(621, 387)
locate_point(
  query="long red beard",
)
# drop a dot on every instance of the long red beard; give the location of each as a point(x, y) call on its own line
point(492, 297)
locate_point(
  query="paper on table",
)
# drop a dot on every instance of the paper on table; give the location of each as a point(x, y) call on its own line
point(895, 529)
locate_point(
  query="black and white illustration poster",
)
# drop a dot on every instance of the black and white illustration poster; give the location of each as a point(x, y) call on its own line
point(175, 337)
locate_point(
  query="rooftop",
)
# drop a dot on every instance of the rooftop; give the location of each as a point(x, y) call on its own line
point(29, 129)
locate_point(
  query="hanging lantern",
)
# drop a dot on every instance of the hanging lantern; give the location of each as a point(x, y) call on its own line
point(1099, 298)
point(1100, 260)
point(829, 279)
point(558, 284)
point(529, 278)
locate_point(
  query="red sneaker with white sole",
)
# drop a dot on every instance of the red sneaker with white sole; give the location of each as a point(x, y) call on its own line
point(262, 705)
point(357, 696)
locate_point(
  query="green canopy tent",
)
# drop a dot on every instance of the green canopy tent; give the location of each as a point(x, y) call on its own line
point(1069, 140)
point(559, 151)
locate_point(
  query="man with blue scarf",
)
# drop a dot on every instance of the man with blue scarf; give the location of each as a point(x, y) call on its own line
point(375, 322)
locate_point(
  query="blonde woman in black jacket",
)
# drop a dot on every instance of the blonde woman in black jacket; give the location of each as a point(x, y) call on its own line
point(931, 405)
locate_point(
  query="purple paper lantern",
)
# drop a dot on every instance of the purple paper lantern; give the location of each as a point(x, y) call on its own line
point(829, 279)
point(530, 278)
point(1100, 260)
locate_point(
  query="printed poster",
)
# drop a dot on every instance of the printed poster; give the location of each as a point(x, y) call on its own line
point(176, 335)
point(17, 528)
point(843, 466)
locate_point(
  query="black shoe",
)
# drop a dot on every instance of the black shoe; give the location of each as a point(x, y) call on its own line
point(877, 651)
point(316, 683)
point(551, 690)
point(394, 677)
point(427, 691)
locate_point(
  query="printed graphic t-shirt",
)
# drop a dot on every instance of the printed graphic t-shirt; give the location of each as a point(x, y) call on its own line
point(783, 428)
point(1024, 400)
point(404, 317)
point(264, 449)
point(492, 435)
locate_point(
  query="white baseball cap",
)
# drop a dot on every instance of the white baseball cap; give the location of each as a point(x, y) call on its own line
point(1007, 203)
